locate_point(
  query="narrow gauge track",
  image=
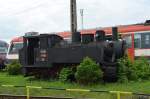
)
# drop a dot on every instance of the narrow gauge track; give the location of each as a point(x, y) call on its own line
point(32, 97)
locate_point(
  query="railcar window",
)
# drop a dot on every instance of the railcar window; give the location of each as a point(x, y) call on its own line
point(145, 40)
point(3, 47)
point(128, 40)
point(3, 50)
point(14, 48)
point(142, 40)
point(137, 41)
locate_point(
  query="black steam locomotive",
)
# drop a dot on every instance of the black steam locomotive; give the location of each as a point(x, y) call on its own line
point(49, 53)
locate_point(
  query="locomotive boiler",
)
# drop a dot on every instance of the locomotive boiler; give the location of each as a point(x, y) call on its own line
point(47, 54)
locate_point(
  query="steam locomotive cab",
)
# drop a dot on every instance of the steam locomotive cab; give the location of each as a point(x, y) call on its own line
point(35, 49)
point(50, 52)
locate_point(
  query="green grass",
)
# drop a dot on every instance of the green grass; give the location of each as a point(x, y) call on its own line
point(5, 79)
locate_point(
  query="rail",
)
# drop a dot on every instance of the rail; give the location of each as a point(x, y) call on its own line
point(7, 96)
point(117, 93)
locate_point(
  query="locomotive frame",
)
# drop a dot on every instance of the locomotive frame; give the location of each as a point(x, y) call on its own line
point(47, 54)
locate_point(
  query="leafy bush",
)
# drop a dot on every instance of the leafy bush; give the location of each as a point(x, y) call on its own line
point(138, 70)
point(14, 68)
point(66, 75)
point(142, 68)
point(126, 70)
point(88, 72)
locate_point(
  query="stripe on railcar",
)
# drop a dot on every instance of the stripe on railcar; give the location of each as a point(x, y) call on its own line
point(142, 52)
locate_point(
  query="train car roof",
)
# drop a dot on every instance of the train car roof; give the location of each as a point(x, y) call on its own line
point(1, 41)
point(17, 39)
point(121, 29)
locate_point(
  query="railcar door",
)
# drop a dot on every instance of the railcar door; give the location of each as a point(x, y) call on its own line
point(129, 38)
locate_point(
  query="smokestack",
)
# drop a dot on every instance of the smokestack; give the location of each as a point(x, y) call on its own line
point(73, 15)
point(114, 33)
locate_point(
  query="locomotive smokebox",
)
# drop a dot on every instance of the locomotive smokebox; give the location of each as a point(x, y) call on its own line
point(114, 33)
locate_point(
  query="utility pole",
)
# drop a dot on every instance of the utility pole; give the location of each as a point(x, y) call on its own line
point(73, 17)
point(82, 14)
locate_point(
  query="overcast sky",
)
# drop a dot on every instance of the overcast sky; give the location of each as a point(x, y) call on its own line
point(20, 16)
